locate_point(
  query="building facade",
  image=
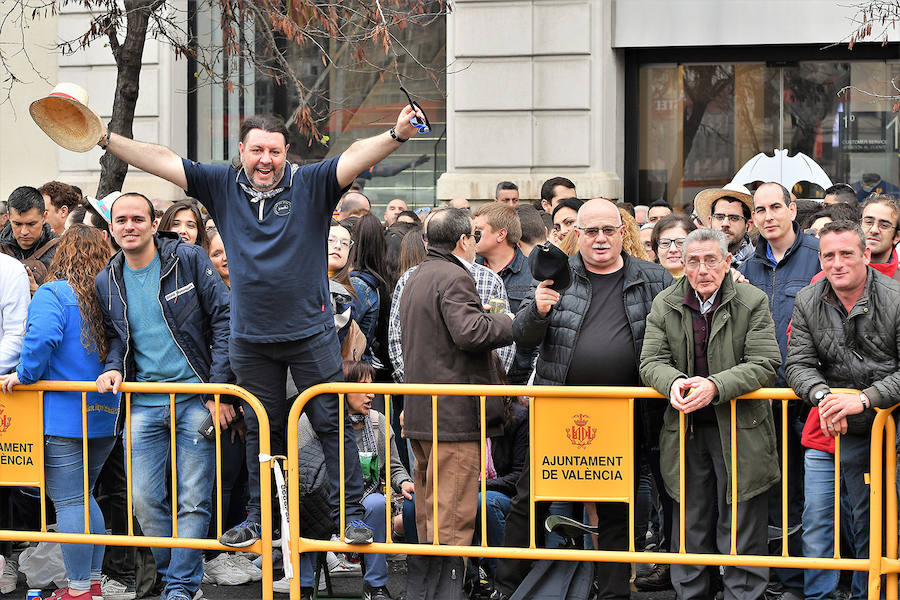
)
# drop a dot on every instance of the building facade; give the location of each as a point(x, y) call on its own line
point(631, 99)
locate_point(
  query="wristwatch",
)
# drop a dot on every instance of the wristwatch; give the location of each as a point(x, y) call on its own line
point(820, 395)
point(396, 137)
point(865, 400)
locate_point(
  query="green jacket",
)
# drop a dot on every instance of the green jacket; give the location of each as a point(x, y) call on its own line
point(743, 356)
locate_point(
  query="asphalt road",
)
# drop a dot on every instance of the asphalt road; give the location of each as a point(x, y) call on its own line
point(349, 587)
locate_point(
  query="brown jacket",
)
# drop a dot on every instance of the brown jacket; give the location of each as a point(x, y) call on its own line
point(447, 337)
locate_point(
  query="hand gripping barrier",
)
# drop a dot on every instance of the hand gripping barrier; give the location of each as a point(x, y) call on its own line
point(570, 419)
point(21, 464)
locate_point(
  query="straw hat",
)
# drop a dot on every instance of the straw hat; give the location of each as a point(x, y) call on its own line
point(704, 200)
point(65, 117)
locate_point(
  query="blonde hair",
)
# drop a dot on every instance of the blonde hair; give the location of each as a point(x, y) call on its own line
point(631, 236)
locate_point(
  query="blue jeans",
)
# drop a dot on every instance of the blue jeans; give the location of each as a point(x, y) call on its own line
point(376, 573)
point(818, 523)
point(63, 470)
point(408, 510)
point(497, 509)
point(181, 568)
point(854, 465)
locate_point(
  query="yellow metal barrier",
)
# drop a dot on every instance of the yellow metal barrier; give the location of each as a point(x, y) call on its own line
point(31, 396)
point(562, 399)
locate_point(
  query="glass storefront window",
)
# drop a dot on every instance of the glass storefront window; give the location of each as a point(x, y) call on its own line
point(347, 102)
point(699, 123)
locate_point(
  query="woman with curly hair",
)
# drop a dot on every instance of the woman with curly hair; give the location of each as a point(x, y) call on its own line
point(65, 340)
point(184, 218)
point(631, 237)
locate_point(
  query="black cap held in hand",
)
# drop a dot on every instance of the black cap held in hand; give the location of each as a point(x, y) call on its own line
point(549, 262)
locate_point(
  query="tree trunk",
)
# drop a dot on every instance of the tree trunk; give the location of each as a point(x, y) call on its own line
point(128, 66)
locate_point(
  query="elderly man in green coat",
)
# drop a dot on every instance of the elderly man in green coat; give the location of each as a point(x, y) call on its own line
point(708, 341)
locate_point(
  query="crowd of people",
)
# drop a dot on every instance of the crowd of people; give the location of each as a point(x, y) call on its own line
point(278, 277)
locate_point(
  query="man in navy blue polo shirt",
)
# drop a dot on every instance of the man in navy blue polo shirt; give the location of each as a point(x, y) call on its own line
point(273, 217)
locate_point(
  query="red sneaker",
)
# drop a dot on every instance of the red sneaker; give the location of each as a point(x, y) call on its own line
point(96, 592)
point(63, 594)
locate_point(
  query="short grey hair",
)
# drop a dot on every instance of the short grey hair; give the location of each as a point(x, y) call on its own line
point(705, 235)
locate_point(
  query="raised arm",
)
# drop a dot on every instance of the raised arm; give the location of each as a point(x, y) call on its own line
point(367, 152)
point(151, 158)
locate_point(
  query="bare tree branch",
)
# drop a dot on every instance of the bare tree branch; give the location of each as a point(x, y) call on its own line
point(364, 37)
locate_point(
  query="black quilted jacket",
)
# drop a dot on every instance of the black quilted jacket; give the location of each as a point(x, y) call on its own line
point(861, 350)
point(557, 333)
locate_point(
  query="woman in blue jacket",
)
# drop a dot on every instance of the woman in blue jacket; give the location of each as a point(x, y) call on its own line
point(65, 340)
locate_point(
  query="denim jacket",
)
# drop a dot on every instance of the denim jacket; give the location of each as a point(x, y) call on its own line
point(516, 278)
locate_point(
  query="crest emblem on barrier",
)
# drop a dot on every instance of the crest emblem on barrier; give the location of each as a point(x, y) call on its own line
point(581, 434)
point(5, 419)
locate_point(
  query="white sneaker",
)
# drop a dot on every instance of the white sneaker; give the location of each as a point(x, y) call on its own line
point(115, 590)
point(282, 586)
point(221, 571)
point(9, 575)
point(339, 566)
point(243, 564)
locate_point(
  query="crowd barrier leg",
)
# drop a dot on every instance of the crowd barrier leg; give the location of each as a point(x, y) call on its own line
point(890, 465)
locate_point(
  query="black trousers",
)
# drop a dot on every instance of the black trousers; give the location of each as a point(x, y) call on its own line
point(111, 493)
point(707, 516)
point(262, 369)
point(791, 579)
point(234, 486)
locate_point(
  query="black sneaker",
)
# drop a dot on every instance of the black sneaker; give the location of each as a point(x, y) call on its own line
point(306, 593)
point(375, 593)
point(357, 532)
point(241, 535)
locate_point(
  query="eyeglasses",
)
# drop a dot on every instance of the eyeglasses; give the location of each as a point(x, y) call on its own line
point(720, 217)
point(882, 224)
point(666, 242)
point(711, 263)
point(476, 234)
point(423, 124)
point(592, 232)
point(345, 243)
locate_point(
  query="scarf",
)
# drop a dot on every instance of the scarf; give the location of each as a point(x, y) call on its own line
point(368, 444)
point(256, 196)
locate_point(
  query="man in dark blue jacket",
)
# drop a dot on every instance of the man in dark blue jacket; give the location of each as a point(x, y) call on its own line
point(167, 313)
point(785, 261)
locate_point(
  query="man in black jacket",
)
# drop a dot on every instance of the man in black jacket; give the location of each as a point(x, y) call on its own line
point(166, 312)
point(590, 334)
point(846, 334)
point(28, 237)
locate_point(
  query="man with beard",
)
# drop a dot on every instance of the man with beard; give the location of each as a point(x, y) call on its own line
point(881, 224)
point(729, 210)
point(274, 219)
